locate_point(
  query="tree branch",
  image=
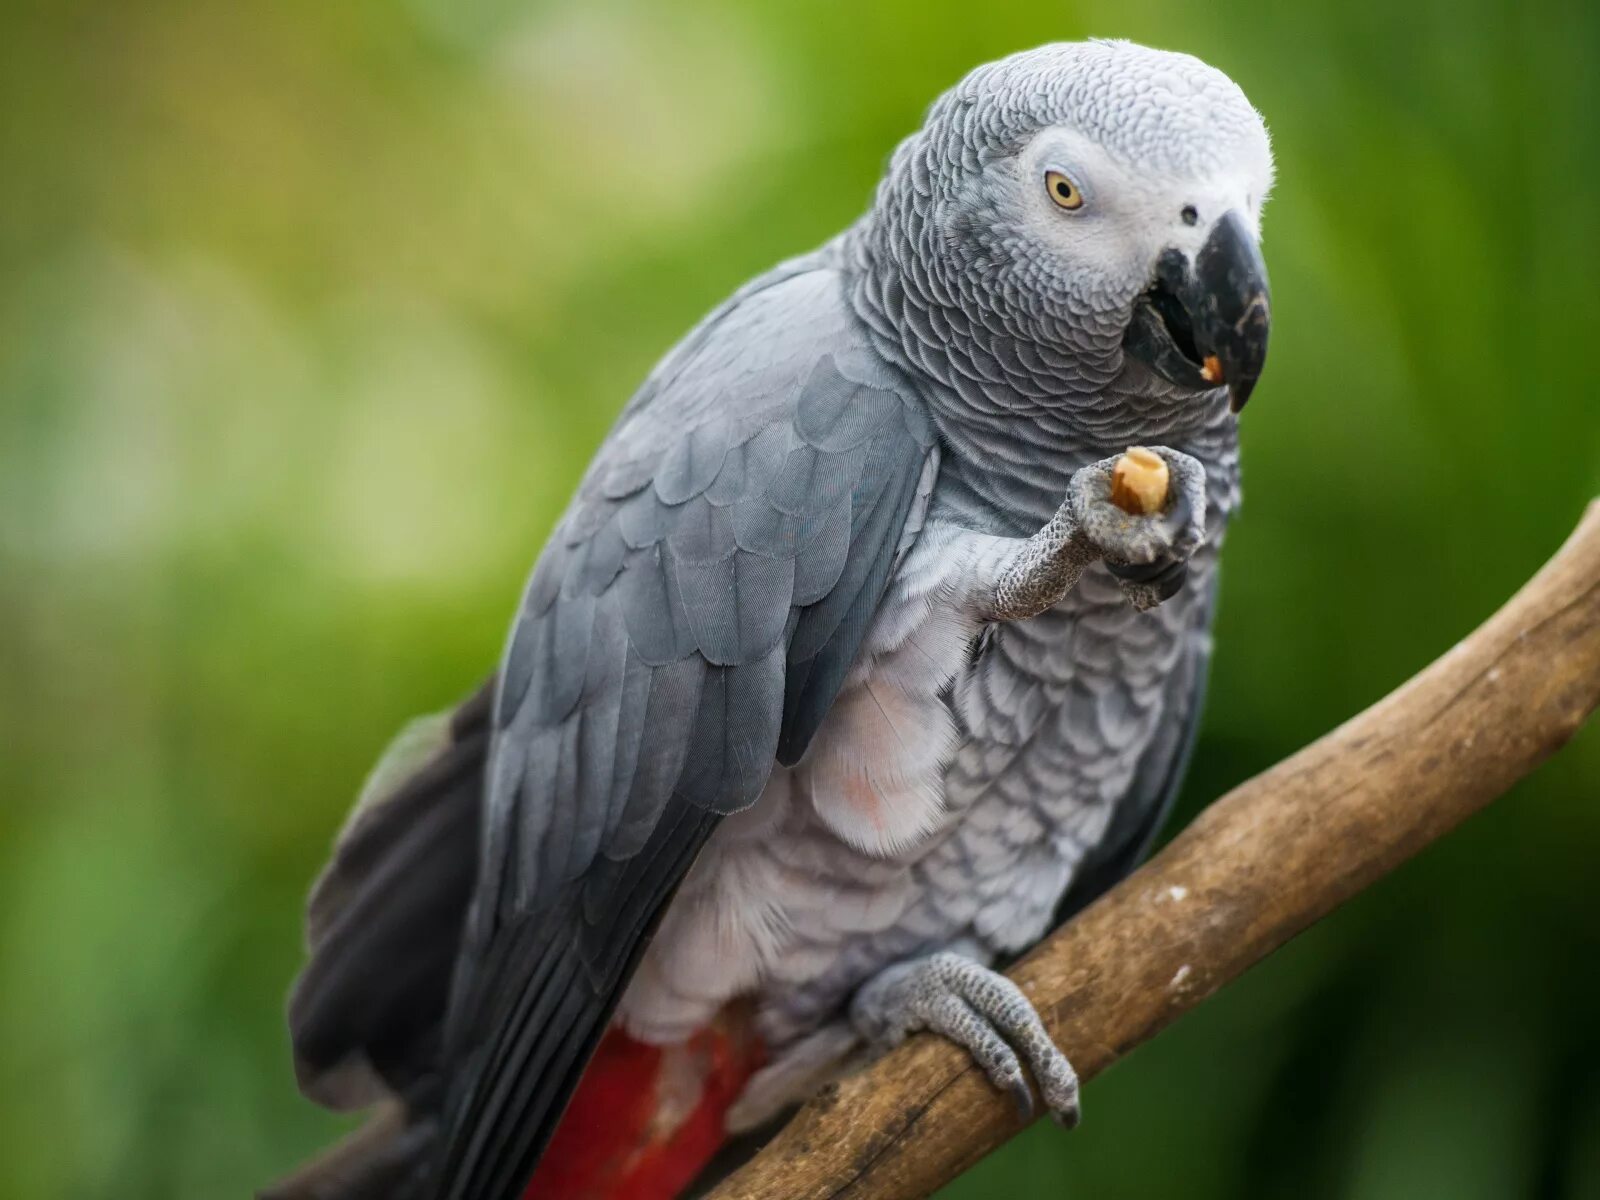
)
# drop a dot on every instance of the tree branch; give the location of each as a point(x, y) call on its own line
point(1262, 863)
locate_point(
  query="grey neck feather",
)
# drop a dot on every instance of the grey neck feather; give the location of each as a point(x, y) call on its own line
point(1022, 399)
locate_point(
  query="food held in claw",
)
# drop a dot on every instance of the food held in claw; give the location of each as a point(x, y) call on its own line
point(1139, 482)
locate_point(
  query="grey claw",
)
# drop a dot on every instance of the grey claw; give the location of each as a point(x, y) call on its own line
point(981, 1011)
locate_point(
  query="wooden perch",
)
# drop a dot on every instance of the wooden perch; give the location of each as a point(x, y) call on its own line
point(1262, 863)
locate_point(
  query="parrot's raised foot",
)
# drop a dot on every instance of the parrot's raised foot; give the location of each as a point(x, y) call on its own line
point(978, 1009)
point(1147, 552)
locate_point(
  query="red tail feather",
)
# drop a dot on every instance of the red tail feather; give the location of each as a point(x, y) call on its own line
point(645, 1120)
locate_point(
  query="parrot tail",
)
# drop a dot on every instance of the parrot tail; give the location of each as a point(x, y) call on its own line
point(383, 930)
point(384, 924)
point(643, 1124)
point(384, 919)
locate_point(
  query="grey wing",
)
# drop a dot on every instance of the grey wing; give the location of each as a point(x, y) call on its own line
point(718, 554)
point(1159, 776)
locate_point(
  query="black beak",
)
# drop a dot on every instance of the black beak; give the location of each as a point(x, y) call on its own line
point(1206, 324)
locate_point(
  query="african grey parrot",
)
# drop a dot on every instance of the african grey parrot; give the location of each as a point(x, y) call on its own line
point(839, 679)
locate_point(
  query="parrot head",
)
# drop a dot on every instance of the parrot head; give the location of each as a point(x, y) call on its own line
point(1101, 200)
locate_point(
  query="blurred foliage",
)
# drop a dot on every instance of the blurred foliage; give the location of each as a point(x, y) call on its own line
point(310, 315)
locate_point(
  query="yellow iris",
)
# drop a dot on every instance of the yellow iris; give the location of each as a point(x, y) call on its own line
point(1062, 190)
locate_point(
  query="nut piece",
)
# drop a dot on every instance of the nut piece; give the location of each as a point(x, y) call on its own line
point(1139, 482)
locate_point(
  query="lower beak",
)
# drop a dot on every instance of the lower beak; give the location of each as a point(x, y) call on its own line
point(1205, 324)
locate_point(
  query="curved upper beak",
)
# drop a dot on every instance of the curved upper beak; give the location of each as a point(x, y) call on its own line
point(1206, 323)
point(1232, 309)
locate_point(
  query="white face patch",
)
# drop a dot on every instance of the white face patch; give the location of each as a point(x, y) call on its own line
point(1130, 213)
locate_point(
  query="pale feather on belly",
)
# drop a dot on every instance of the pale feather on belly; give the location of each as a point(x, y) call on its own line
point(874, 772)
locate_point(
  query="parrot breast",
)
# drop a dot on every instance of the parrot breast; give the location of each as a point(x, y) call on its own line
point(645, 1120)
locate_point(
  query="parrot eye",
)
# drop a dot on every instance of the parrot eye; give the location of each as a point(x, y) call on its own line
point(1063, 191)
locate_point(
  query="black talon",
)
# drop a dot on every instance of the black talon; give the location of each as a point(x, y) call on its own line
point(1169, 582)
point(1165, 577)
point(1178, 514)
point(1023, 1095)
point(1138, 572)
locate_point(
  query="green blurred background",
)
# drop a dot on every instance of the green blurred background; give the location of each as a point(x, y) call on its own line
point(312, 313)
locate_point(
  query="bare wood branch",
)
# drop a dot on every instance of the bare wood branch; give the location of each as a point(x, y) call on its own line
point(1262, 863)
